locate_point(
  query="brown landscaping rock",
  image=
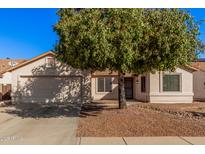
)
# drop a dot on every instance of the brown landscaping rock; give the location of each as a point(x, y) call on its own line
point(144, 120)
point(194, 110)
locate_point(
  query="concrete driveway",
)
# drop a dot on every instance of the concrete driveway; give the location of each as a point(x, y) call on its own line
point(38, 125)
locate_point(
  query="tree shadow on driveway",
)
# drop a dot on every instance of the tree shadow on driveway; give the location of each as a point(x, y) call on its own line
point(55, 110)
point(39, 110)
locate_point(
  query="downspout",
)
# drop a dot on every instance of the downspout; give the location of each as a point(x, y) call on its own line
point(146, 100)
point(160, 80)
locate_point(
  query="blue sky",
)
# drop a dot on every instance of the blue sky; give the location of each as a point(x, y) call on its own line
point(25, 33)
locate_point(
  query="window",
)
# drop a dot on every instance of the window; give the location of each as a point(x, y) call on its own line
point(104, 84)
point(143, 84)
point(50, 62)
point(171, 82)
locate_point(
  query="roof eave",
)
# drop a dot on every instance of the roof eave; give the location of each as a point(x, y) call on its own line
point(190, 68)
point(29, 61)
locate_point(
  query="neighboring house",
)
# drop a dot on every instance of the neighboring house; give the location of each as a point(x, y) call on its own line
point(43, 79)
point(199, 80)
point(6, 64)
point(5, 79)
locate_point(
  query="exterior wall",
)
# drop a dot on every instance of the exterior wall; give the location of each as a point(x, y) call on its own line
point(104, 95)
point(25, 78)
point(141, 96)
point(6, 78)
point(108, 95)
point(184, 96)
point(199, 85)
point(154, 92)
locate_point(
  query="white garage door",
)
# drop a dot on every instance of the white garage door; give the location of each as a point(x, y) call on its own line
point(50, 89)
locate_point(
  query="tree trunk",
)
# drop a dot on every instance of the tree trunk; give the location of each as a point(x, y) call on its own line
point(121, 91)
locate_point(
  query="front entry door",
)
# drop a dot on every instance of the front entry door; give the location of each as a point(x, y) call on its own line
point(129, 88)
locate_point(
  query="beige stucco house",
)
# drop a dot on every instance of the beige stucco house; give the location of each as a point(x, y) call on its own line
point(44, 79)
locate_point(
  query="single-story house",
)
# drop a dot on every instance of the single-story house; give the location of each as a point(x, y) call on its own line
point(45, 79)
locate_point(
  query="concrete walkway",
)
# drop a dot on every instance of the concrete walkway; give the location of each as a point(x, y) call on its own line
point(141, 141)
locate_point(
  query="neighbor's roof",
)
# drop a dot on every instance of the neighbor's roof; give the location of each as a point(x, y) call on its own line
point(199, 64)
point(189, 68)
point(6, 64)
point(29, 61)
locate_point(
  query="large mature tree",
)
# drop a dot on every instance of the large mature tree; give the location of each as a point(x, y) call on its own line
point(127, 40)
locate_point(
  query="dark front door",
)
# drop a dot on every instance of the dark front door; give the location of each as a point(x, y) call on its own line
point(129, 88)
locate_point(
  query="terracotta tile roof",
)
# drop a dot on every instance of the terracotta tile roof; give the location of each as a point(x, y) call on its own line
point(9, 63)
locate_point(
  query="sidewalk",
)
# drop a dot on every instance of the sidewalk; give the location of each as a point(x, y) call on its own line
point(141, 141)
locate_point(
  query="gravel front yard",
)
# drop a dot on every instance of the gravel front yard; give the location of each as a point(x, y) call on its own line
point(143, 120)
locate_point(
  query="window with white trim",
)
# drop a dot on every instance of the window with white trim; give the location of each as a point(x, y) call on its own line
point(171, 82)
point(104, 84)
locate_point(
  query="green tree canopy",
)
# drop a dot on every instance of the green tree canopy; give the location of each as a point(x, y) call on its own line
point(127, 40)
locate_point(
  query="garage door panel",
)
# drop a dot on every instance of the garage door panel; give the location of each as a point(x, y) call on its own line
point(50, 89)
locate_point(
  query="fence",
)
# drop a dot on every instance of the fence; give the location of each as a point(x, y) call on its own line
point(5, 92)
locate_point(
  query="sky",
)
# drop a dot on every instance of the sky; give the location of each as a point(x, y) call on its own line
point(26, 33)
